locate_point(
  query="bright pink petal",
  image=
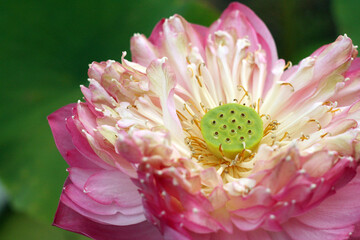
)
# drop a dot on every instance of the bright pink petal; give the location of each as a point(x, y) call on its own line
point(300, 231)
point(81, 199)
point(68, 219)
point(63, 138)
point(258, 234)
point(117, 218)
point(237, 234)
point(82, 146)
point(339, 210)
point(79, 176)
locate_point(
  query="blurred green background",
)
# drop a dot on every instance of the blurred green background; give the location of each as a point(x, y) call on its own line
point(45, 49)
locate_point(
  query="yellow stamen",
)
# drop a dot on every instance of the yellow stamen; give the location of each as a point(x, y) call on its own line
point(286, 134)
point(288, 84)
point(317, 122)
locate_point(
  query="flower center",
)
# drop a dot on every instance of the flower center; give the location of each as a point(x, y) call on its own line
point(231, 128)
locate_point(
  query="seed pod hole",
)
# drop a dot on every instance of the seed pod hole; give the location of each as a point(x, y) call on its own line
point(228, 140)
point(239, 127)
point(233, 121)
point(242, 115)
point(232, 111)
point(248, 121)
point(213, 122)
point(242, 138)
point(249, 132)
point(221, 115)
point(224, 126)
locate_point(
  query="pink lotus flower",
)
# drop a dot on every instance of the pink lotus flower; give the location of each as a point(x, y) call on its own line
point(208, 135)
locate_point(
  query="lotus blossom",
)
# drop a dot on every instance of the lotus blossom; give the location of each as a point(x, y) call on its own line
point(207, 135)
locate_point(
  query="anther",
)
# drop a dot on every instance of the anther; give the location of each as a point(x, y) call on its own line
point(288, 84)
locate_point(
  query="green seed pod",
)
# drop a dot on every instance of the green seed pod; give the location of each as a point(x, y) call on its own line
point(233, 126)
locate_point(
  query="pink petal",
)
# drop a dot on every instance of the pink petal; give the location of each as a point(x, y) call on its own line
point(163, 83)
point(257, 24)
point(202, 33)
point(81, 199)
point(118, 218)
point(300, 231)
point(237, 234)
point(333, 57)
point(113, 186)
point(172, 234)
point(142, 50)
point(127, 148)
point(171, 37)
point(345, 96)
point(279, 236)
point(247, 23)
point(63, 138)
point(339, 210)
point(82, 145)
point(79, 176)
point(68, 219)
point(156, 36)
point(259, 234)
point(96, 70)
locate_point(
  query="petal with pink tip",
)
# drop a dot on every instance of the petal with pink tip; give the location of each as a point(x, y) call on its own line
point(162, 83)
point(83, 146)
point(142, 50)
point(172, 38)
point(127, 148)
point(96, 70)
point(255, 24)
